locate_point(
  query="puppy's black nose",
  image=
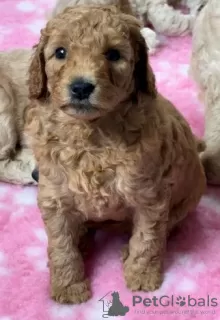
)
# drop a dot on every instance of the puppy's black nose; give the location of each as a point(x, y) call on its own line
point(81, 89)
point(35, 175)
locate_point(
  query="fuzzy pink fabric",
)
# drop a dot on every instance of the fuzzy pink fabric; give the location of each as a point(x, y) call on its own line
point(192, 265)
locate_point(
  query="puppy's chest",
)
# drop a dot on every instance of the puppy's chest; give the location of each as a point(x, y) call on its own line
point(94, 170)
point(96, 177)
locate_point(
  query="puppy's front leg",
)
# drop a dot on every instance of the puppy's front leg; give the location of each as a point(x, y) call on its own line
point(64, 229)
point(143, 264)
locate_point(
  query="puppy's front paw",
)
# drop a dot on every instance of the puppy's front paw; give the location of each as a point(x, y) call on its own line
point(148, 280)
point(74, 294)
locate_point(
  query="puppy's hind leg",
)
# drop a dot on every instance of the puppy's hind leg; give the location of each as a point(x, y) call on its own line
point(19, 169)
point(8, 134)
point(189, 202)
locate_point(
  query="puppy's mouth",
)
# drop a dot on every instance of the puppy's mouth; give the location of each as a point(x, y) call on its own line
point(82, 109)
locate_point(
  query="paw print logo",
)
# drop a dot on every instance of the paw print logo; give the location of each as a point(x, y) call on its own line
point(181, 301)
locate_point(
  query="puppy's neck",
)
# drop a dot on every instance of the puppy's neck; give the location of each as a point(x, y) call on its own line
point(123, 124)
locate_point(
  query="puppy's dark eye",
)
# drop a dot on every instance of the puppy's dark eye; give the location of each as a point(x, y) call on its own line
point(113, 55)
point(60, 53)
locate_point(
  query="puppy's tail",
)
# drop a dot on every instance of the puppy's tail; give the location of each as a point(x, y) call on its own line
point(201, 145)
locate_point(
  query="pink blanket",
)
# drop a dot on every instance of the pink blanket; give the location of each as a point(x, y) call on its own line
point(191, 287)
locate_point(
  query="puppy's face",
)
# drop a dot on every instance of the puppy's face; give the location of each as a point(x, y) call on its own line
point(90, 59)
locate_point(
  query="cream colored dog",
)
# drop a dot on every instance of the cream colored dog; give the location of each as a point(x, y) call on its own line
point(163, 17)
point(205, 69)
point(16, 160)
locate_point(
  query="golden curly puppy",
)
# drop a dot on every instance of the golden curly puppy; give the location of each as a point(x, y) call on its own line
point(108, 146)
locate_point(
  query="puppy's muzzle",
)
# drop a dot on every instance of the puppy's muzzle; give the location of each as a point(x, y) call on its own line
point(81, 89)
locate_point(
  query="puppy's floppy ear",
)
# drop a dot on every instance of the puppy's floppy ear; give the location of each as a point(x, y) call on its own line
point(143, 74)
point(37, 75)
